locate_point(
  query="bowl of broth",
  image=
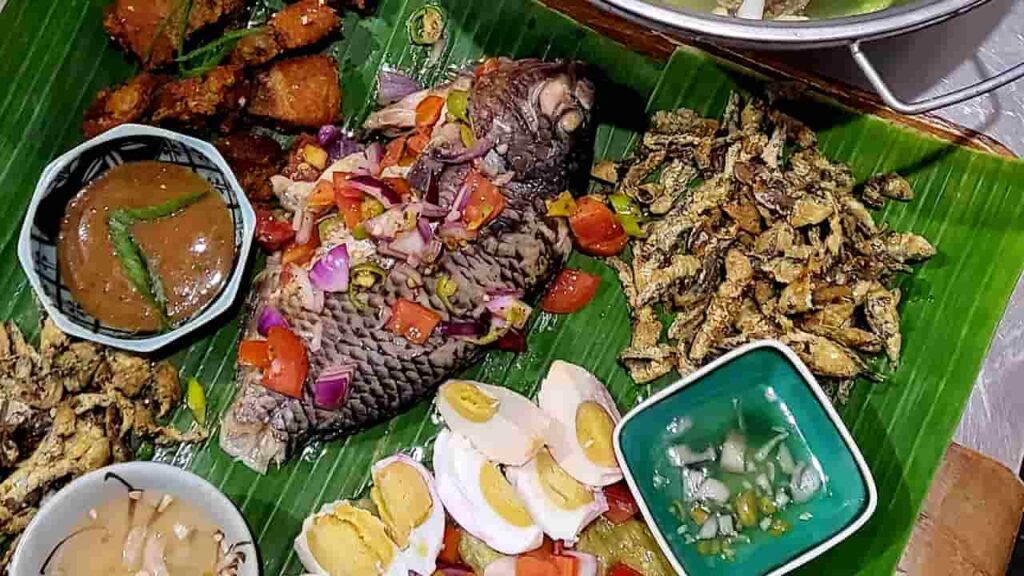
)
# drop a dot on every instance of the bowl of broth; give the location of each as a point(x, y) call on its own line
point(137, 237)
point(137, 518)
point(744, 468)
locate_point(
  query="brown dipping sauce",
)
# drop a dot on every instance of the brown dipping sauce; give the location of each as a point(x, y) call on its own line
point(191, 250)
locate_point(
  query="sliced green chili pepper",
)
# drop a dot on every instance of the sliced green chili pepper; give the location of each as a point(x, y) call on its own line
point(326, 226)
point(445, 289)
point(195, 398)
point(458, 105)
point(468, 139)
point(366, 274)
point(628, 213)
point(563, 205)
point(165, 209)
point(426, 25)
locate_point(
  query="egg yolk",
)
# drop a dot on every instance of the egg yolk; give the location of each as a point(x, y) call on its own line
point(402, 498)
point(502, 498)
point(563, 490)
point(470, 401)
point(594, 427)
point(350, 542)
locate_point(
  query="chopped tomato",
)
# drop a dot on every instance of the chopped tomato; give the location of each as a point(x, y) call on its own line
point(412, 321)
point(254, 353)
point(488, 66)
point(417, 142)
point(428, 111)
point(558, 548)
point(621, 505)
point(399, 185)
point(289, 363)
point(452, 538)
point(272, 233)
point(571, 291)
point(598, 232)
point(351, 210)
point(393, 152)
point(513, 341)
point(528, 565)
point(485, 201)
point(566, 565)
point(342, 187)
point(322, 195)
point(621, 569)
point(299, 254)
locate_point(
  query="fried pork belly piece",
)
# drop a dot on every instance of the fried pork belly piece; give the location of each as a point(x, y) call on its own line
point(254, 159)
point(151, 29)
point(128, 102)
point(303, 23)
point(298, 92)
point(194, 101)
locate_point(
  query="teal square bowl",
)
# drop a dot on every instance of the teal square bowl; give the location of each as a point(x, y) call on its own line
point(768, 384)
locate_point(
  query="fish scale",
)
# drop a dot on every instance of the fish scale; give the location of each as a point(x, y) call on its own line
point(514, 254)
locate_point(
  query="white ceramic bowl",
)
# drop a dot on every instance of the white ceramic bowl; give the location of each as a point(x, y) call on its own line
point(70, 506)
point(65, 176)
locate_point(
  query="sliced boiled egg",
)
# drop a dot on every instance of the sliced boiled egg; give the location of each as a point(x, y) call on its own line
point(480, 498)
point(505, 426)
point(560, 504)
point(342, 540)
point(585, 416)
point(412, 512)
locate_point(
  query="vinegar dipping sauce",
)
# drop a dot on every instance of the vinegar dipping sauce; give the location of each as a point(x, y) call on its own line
point(738, 471)
point(155, 534)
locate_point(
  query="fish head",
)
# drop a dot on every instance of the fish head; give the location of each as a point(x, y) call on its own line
point(538, 117)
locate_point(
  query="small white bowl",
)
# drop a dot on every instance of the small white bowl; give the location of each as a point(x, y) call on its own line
point(70, 506)
point(65, 176)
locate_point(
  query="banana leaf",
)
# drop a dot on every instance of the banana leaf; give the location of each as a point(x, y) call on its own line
point(55, 56)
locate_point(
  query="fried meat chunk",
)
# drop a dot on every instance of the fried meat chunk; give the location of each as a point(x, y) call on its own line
point(298, 92)
point(152, 29)
point(303, 23)
point(254, 159)
point(192, 101)
point(128, 102)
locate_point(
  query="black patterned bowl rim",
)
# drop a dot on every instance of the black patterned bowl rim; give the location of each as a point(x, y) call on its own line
point(75, 324)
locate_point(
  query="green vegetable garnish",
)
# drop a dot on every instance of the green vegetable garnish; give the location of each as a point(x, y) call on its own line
point(195, 398)
point(360, 233)
point(366, 274)
point(136, 267)
point(426, 25)
point(445, 289)
point(371, 208)
point(326, 226)
point(628, 213)
point(466, 133)
point(458, 105)
point(209, 56)
point(778, 527)
point(709, 547)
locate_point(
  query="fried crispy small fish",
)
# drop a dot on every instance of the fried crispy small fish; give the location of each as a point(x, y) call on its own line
point(197, 101)
point(126, 103)
point(151, 29)
point(302, 92)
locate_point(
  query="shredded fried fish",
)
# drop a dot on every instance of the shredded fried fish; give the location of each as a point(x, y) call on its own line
point(752, 233)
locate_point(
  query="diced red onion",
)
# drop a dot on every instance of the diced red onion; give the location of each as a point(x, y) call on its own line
point(393, 86)
point(513, 341)
point(270, 317)
point(376, 188)
point(387, 225)
point(453, 570)
point(586, 564)
point(424, 229)
point(374, 154)
point(327, 134)
point(342, 147)
point(307, 295)
point(462, 154)
point(500, 305)
point(330, 273)
point(331, 388)
point(456, 231)
point(305, 229)
point(433, 250)
point(411, 244)
point(458, 204)
point(461, 328)
point(432, 211)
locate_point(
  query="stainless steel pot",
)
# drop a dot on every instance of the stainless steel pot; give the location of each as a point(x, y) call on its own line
point(852, 32)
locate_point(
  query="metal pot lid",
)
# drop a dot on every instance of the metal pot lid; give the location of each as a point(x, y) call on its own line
point(798, 34)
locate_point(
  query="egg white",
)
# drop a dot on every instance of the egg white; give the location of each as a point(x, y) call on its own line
point(457, 468)
point(565, 387)
point(557, 522)
point(427, 539)
point(512, 436)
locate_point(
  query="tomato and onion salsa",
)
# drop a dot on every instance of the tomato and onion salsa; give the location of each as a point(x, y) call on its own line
point(146, 245)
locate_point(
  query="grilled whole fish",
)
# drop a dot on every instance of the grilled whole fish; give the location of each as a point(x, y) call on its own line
point(534, 120)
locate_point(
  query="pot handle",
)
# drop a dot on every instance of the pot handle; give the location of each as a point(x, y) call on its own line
point(935, 102)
